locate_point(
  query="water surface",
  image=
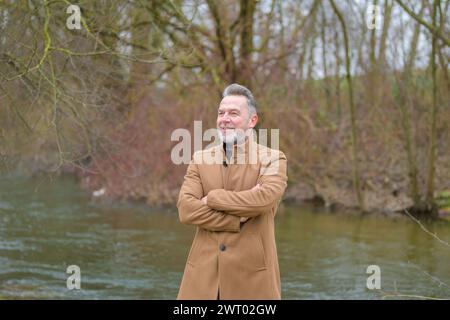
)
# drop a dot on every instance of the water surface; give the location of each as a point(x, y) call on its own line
point(130, 251)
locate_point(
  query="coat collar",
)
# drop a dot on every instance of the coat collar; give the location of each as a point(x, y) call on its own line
point(240, 152)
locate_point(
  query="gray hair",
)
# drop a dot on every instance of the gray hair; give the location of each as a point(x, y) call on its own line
point(238, 90)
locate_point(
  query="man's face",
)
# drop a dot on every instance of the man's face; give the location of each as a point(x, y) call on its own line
point(233, 118)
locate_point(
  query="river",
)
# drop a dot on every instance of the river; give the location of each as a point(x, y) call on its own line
point(130, 251)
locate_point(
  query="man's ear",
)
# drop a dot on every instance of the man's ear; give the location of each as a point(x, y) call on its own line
point(253, 121)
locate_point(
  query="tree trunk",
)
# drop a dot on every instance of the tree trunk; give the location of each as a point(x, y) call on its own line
point(337, 75)
point(386, 23)
point(415, 39)
point(224, 43)
point(434, 111)
point(356, 174)
point(247, 12)
point(326, 83)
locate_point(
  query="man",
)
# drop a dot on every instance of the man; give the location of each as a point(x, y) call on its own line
point(233, 204)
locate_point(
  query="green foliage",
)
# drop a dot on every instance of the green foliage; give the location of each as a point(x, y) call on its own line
point(443, 199)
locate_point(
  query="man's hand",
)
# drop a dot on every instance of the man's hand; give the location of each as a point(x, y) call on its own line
point(244, 219)
point(205, 200)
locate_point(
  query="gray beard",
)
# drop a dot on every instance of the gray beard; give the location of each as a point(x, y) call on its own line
point(235, 139)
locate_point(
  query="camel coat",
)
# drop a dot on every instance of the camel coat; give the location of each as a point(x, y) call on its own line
point(227, 258)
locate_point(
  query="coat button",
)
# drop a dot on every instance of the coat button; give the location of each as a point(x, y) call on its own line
point(222, 247)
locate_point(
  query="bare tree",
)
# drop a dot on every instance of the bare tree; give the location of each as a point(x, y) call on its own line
point(356, 174)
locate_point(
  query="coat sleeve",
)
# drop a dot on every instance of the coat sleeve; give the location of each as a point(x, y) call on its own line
point(193, 211)
point(251, 203)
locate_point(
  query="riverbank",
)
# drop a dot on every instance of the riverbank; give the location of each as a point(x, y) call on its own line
point(390, 204)
point(109, 188)
point(384, 203)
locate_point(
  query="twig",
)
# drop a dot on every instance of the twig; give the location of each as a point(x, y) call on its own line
point(425, 229)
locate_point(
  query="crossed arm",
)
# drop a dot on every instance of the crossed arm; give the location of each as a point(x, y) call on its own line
point(223, 210)
point(192, 210)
